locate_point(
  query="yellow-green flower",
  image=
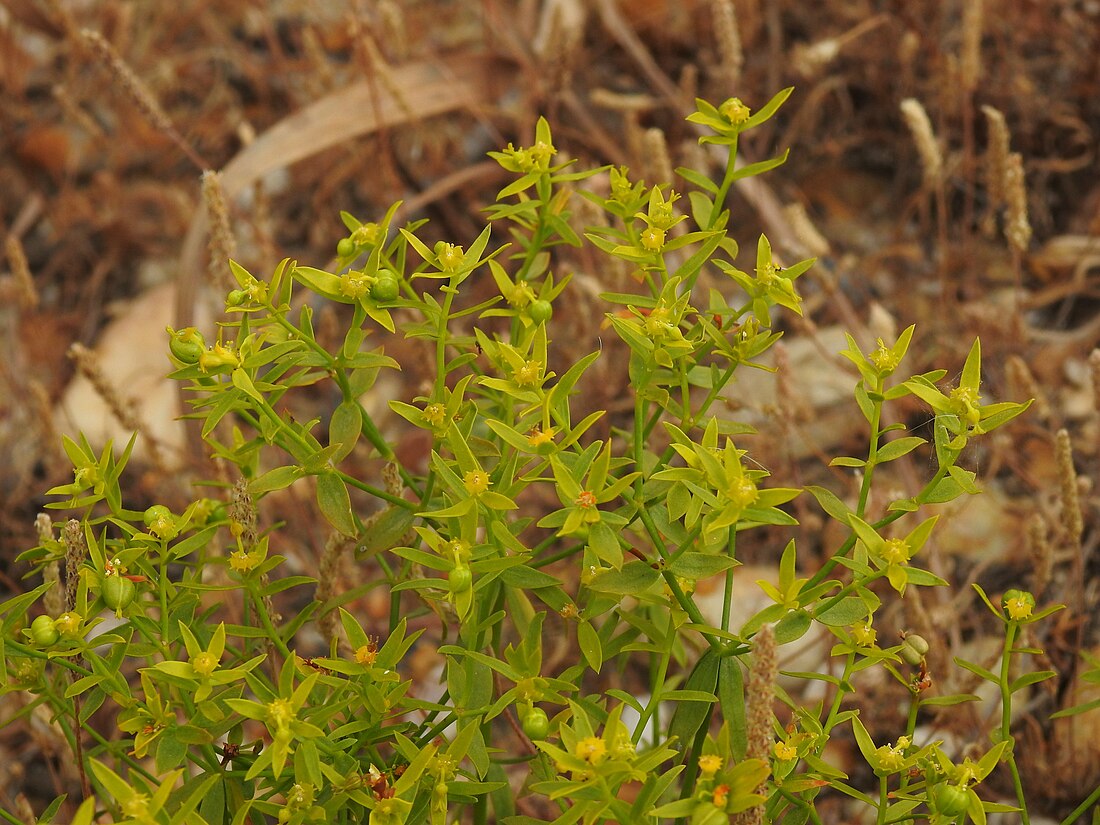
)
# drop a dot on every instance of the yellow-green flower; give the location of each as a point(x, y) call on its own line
point(864, 635)
point(784, 751)
point(591, 749)
point(435, 414)
point(709, 764)
point(890, 759)
point(476, 482)
point(734, 110)
point(537, 437)
point(450, 256)
point(204, 663)
point(528, 375)
point(896, 551)
point(1019, 604)
point(653, 239)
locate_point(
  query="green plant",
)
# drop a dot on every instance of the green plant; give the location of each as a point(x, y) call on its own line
point(226, 722)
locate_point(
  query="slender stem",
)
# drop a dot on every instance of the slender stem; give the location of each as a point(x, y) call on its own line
point(1011, 631)
point(872, 452)
point(1079, 811)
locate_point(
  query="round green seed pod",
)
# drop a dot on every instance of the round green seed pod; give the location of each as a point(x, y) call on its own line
point(117, 592)
point(460, 579)
point(44, 631)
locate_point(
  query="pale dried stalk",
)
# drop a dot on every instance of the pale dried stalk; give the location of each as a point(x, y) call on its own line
point(1042, 554)
point(72, 536)
point(74, 112)
point(1021, 376)
point(1094, 373)
point(970, 56)
point(655, 149)
point(328, 574)
point(1017, 225)
point(377, 62)
point(140, 94)
point(916, 118)
point(222, 245)
point(123, 408)
point(996, 160)
point(815, 243)
point(21, 272)
point(731, 57)
point(760, 695)
point(393, 28)
point(1072, 521)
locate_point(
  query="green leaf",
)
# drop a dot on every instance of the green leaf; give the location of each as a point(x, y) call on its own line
point(589, 641)
point(830, 503)
point(697, 566)
point(345, 427)
point(731, 699)
point(792, 627)
point(847, 611)
point(277, 479)
point(691, 715)
point(634, 578)
point(977, 670)
point(847, 461)
point(335, 503)
point(1030, 679)
point(170, 751)
point(897, 448)
point(950, 699)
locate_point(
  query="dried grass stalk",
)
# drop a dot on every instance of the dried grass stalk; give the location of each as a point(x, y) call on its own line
point(916, 118)
point(759, 697)
point(139, 93)
point(817, 245)
point(1072, 521)
point(1017, 225)
point(655, 149)
point(1042, 554)
point(122, 407)
point(21, 272)
point(970, 56)
point(731, 57)
point(222, 244)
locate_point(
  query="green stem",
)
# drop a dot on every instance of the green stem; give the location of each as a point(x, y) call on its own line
point(1079, 811)
point(727, 182)
point(727, 593)
point(265, 619)
point(830, 720)
point(872, 451)
point(883, 800)
point(1011, 631)
point(656, 686)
